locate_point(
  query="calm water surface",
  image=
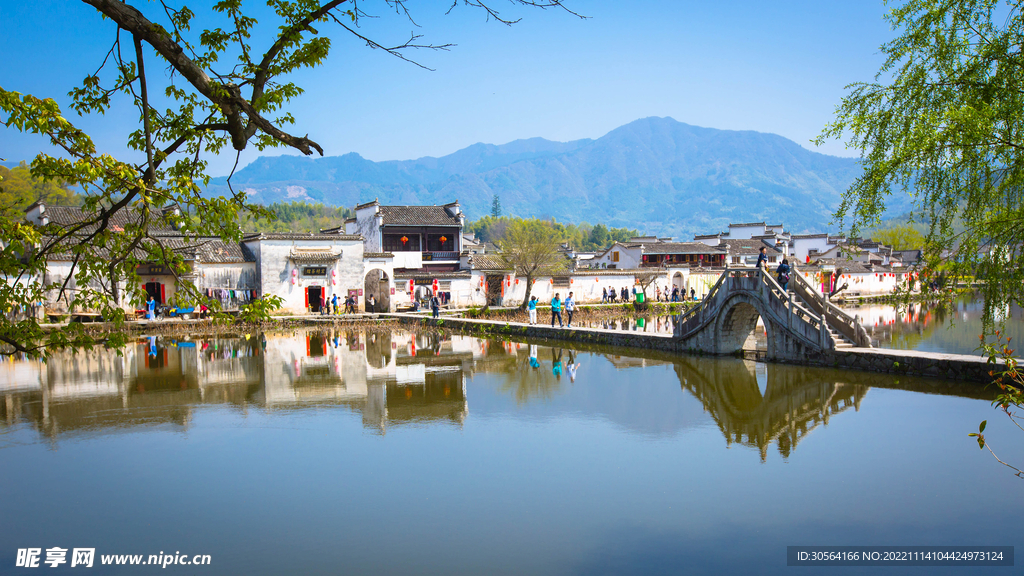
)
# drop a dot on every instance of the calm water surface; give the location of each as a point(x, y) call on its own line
point(931, 327)
point(389, 453)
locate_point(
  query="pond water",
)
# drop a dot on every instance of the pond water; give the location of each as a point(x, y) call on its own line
point(352, 452)
point(935, 327)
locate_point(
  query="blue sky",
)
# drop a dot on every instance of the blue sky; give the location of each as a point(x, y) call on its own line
point(768, 66)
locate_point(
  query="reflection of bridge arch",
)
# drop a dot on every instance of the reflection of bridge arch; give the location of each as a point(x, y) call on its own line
point(795, 401)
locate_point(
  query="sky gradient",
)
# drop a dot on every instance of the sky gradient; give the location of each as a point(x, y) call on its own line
point(777, 67)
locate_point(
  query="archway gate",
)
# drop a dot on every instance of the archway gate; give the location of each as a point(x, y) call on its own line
point(798, 322)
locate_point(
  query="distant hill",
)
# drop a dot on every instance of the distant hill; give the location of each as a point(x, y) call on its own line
point(655, 174)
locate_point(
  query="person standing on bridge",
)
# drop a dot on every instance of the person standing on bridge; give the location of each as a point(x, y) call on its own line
point(783, 273)
point(762, 258)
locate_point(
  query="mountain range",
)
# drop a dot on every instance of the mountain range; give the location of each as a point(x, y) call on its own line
point(654, 174)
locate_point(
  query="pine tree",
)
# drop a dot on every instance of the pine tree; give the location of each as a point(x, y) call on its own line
point(496, 206)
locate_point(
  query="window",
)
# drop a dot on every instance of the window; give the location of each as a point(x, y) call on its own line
point(441, 242)
point(735, 259)
point(395, 243)
point(615, 256)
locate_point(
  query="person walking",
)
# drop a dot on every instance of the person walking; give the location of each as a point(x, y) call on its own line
point(783, 274)
point(604, 295)
point(150, 308)
point(762, 258)
point(625, 295)
point(570, 309)
point(657, 293)
point(675, 294)
point(693, 294)
point(334, 303)
point(531, 308)
point(435, 305)
point(556, 310)
point(323, 303)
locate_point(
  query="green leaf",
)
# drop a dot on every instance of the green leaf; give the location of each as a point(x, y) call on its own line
point(982, 427)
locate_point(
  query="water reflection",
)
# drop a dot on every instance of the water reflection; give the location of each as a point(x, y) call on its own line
point(399, 378)
point(935, 326)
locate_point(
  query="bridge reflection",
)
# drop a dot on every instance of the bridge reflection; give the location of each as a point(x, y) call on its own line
point(757, 404)
point(395, 379)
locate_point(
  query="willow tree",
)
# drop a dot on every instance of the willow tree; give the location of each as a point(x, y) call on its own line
point(943, 121)
point(196, 93)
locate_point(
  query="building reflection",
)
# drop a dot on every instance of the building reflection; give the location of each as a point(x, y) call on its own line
point(401, 378)
point(392, 379)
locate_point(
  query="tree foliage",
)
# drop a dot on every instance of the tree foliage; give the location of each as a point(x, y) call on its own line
point(298, 216)
point(944, 122)
point(196, 93)
point(19, 189)
point(582, 237)
point(899, 237)
point(530, 248)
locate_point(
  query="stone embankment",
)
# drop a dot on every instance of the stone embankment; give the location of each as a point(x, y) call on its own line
point(900, 362)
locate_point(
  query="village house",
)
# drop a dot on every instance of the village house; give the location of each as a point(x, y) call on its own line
point(222, 270)
point(425, 238)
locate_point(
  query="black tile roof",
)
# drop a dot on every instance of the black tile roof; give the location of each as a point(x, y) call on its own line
point(748, 247)
point(299, 236)
point(66, 216)
point(418, 216)
point(681, 248)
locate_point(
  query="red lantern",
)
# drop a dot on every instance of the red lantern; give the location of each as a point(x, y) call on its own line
point(444, 239)
point(404, 239)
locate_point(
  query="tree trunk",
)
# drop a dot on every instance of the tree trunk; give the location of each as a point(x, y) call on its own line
point(529, 288)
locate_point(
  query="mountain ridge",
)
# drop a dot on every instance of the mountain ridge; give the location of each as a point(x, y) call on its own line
point(655, 174)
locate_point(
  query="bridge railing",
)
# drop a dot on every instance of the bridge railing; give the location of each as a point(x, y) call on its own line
point(844, 323)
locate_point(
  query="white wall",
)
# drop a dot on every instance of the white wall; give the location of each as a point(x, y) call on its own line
point(277, 278)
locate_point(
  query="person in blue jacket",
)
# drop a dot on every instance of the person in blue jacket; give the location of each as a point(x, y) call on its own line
point(556, 310)
point(531, 308)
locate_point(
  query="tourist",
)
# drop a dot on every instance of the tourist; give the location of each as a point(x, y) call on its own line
point(334, 303)
point(323, 303)
point(150, 308)
point(556, 310)
point(762, 258)
point(570, 308)
point(783, 274)
point(604, 295)
point(675, 294)
point(435, 305)
point(657, 293)
point(693, 294)
point(531, 308)
point(625, 295)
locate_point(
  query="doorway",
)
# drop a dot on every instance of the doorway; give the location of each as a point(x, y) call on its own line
point(156, 291)
point(313, 295)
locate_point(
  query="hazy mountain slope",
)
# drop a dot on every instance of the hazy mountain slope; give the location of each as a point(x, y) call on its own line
point(654, 174)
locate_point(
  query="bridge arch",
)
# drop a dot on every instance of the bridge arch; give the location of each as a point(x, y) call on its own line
point(738, 321)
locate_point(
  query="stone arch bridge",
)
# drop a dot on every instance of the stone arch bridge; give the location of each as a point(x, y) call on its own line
point(799, 322)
